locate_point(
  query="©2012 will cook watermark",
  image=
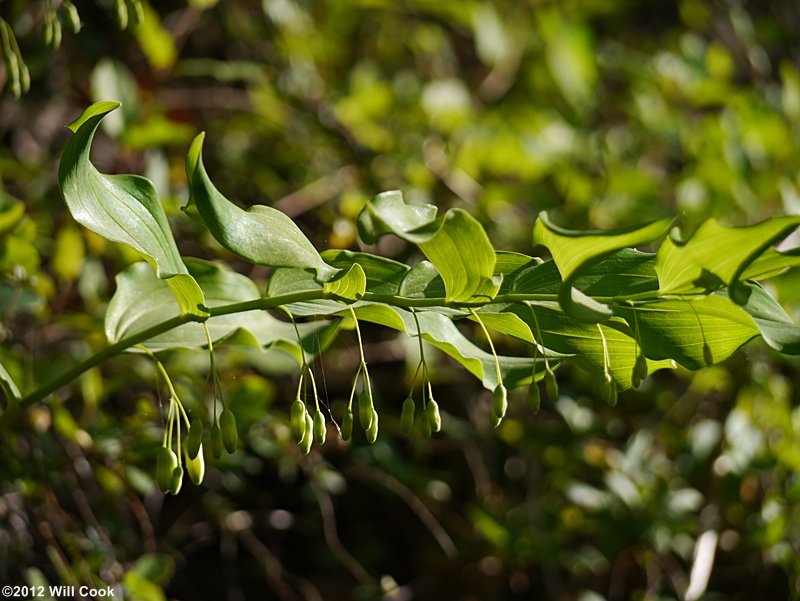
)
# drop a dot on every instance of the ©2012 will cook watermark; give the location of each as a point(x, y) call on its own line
point(58, 591)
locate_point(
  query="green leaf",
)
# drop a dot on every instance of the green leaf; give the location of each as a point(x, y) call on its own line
point(422, 281)
point(383, 275)
point(8, 386)
point(122, 208)
point(456, 245)
point(575, 251)
point(776, 327)
point(622, 273)
point(261, 235)
point(288, 280)
point(681, 329)
point(771, 263)
point(388, 213)
point(350, 284)
point(510, 265)
point(142, 301)
point(716, 256)
point(562, 336)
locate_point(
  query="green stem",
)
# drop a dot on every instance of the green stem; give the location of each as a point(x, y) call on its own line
point(213, 370)
point(272, 303)
point(106, 353)
point(353, 389)
point(361, 350)
point(491, 345)
point(165, 375)
point(538, 341)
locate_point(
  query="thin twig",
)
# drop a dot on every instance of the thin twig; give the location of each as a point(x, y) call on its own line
point(330, 531)
point(413, 501)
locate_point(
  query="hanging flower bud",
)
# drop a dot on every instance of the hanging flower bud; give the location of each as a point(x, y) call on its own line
point(372, 431)
point(550, 384)
point(196, 467)
point(500, 401)
point(308, 437)
point(176, 481)
point(297, 420)
point(425, 427)
point(195, 438)
point(347, 425)
point(216, 441)
point(365, 409)
point(166, 462)
point(433, 415)
point(609, 389)
point(230, 435)
point(320, 431)
point(407, 415)
point(534, 398)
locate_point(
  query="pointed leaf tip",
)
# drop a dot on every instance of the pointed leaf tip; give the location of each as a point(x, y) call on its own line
point(262, 235)
point(97, 109)
point(194, 155)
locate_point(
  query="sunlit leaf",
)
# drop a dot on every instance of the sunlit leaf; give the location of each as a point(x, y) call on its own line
point(261, 235)
point(576, 251)
point(122, 208)
point(383, 275)
point(456, 244)
point(422, 281)
point(683, 329)
point(716, 256)
point(776, 327)
point(562, 336)
point(142, 301)
point(350, 284)
point(8, 385)
point(620, 274)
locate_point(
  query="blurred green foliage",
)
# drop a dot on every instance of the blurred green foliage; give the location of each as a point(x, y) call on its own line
point(603, 113)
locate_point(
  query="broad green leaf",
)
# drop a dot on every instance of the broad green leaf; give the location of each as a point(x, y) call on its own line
point(464, 257)
point(457, 244)
point(350, 284)
point(680, 329)
point(716, 256)
point(776, 327)
point(575, 251)
point(288, 280)
point(261, 235)
point(142, 301)
point(510, 265)
point(383, 275)
point(122, 208)
point(621, 274)
point(8, 386)
point(771, 263)
point(422, 281)
point(388, 213)
point(563, 336)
